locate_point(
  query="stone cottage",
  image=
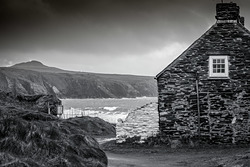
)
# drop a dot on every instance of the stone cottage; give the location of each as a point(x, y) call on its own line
point(205, 92)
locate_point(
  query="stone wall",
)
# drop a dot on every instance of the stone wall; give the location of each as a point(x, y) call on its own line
point(224, 102)
point(142, 122)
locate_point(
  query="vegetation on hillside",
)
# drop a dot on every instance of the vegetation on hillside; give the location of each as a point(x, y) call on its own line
point(34, 78)
point(29, 137)
point(33, 139)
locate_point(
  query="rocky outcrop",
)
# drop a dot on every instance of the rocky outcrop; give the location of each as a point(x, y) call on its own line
point(27, 102)
point(93, 126)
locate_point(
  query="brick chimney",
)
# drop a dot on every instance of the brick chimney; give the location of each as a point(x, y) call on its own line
point(228, 13)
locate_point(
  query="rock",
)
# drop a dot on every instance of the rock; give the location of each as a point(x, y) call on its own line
point(93, 126)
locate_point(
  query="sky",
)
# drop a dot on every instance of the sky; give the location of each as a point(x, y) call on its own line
point(139, 37)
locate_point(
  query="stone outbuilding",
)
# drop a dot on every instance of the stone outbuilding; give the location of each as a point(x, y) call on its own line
point(205, 92)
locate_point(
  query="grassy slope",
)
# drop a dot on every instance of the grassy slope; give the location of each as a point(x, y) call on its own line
point(30, 137)
point(33, 139)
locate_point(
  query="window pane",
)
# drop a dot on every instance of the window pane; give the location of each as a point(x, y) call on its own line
point(218, 66)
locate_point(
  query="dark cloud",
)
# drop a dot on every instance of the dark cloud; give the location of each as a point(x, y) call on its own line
point(15, 12)
point(107, 28)
point(88, 25)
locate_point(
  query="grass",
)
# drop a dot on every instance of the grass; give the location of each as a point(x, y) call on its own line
point(31, 139)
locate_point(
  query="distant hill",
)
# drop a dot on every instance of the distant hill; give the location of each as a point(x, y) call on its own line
point(36, 78)
point(39, 67)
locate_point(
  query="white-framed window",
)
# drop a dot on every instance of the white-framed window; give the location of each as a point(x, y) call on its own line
point(218, 66)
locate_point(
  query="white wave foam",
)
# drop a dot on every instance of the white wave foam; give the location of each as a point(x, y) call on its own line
point(110, 108)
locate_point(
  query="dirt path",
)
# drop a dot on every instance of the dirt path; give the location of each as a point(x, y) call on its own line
point(156, 160)
point(137, 160)
point(162, 157)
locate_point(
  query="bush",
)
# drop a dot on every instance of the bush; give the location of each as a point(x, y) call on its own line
point(157, 140)
point(133, 140)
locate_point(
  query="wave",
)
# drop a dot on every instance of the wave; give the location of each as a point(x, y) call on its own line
point(108, 116)
point(110, 108)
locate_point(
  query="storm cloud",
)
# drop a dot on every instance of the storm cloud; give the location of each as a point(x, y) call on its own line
point(103, 35)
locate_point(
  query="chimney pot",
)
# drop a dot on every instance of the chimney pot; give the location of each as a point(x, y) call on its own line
point(242, 21)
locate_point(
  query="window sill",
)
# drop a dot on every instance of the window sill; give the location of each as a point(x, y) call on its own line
point(218, 78)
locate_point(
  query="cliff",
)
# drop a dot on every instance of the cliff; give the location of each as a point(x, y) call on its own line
point(34, 78)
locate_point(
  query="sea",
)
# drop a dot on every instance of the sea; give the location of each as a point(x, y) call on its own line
point(108, 109)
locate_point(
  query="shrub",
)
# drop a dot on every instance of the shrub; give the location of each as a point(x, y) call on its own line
point(158, 139)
